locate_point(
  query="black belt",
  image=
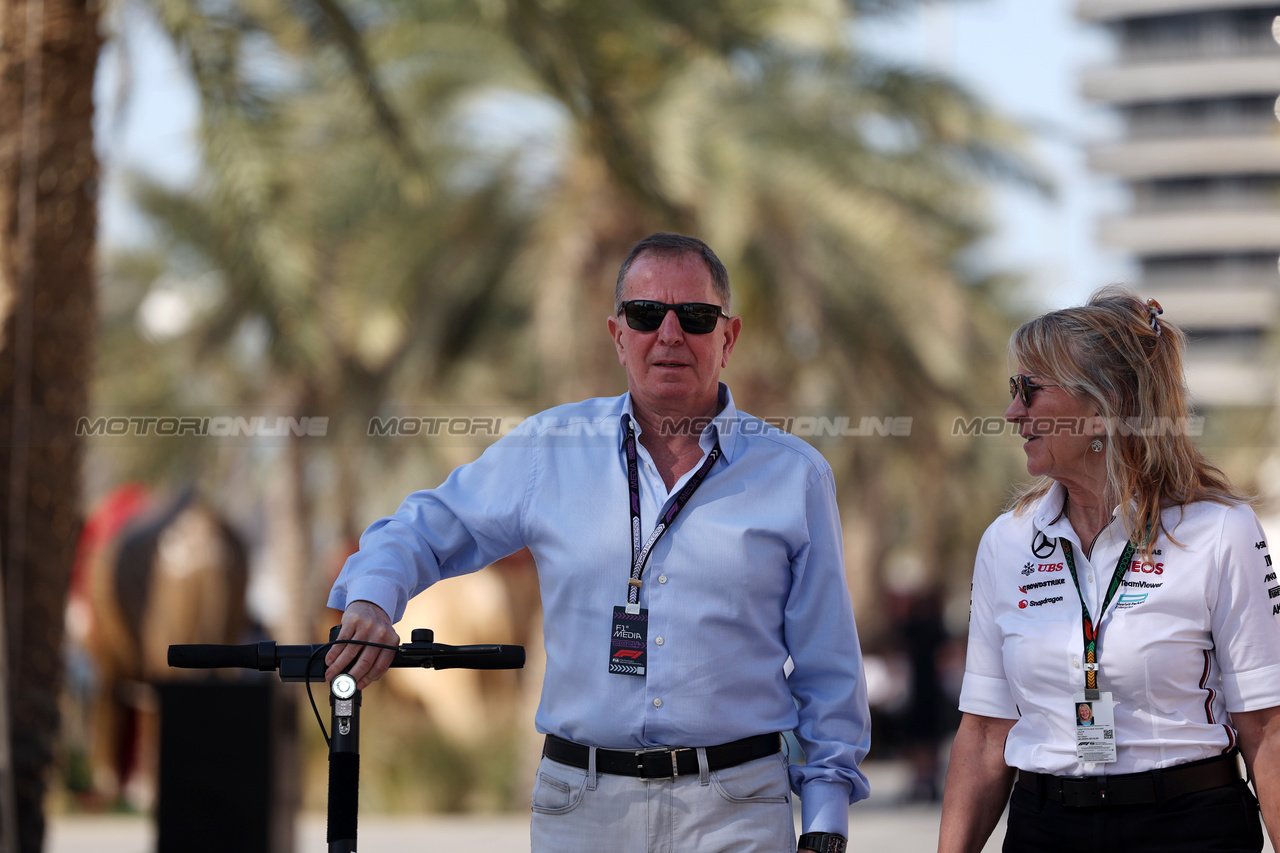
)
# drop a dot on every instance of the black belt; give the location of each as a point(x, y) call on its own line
point(661, 762)
point(1133, 789)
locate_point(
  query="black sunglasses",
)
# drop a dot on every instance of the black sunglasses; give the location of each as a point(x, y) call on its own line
point(1022, 386)
point(696, 318)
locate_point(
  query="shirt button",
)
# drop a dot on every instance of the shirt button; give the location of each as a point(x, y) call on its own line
point(662, 578)
point(1090, 578)
point(659, 641)
point(657, 703)
point(1075, 661)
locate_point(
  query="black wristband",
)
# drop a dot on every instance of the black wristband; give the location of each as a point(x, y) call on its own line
point(822, 842)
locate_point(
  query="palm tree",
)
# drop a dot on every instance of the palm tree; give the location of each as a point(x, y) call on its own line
point(328, 273)
point(464, 252)
point(841, 191)
point(48, 173)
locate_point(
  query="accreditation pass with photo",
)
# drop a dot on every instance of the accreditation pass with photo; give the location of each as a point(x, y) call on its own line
point(1095, 727)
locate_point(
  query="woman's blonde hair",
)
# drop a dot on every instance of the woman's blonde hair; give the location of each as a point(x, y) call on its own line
point(1116, 355)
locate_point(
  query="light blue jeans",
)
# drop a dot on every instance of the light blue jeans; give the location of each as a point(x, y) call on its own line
point(743, 809)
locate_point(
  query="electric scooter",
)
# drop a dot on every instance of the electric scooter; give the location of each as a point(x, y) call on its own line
point(305, 663)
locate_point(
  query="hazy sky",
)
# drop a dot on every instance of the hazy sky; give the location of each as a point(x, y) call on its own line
point(1023, 56)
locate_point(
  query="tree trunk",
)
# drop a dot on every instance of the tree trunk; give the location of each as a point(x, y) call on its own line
point(48, 194)
point(289, 519)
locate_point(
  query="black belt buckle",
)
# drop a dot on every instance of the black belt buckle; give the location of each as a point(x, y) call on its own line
point(1094, 791)
point(1084, 793)
point(647, 770)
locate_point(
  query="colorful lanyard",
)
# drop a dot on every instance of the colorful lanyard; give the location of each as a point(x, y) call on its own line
point(1091, 630)
point(640, 554)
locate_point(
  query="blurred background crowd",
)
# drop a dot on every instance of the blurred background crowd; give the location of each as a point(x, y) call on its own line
point(394, 233)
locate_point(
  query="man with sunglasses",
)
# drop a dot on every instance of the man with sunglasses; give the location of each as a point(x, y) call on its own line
point(687, 554)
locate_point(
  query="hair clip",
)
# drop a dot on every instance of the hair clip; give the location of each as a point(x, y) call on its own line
point(1153, 311)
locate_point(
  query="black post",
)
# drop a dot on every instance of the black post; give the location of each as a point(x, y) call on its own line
point(344, 762)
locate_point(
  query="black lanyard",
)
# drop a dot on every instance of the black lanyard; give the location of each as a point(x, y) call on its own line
point(640, 554)
point(1090, 629)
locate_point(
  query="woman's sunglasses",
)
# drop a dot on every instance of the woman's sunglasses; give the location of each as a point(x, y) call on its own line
point(1021, 386)
point(696, 318)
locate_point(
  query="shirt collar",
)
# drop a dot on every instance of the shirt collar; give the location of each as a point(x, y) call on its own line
point(1051, 518)
point(723, 426)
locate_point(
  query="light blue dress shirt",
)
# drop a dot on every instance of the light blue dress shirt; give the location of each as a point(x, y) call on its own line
point(750, 573)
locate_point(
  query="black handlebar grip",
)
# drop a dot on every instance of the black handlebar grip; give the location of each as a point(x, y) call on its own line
point(469, 657)
point(214, 657)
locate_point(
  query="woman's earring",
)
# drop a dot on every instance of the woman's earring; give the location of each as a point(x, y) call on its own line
point(1096, 445)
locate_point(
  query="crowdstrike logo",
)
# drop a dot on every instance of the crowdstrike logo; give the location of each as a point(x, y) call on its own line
point(1042, 584)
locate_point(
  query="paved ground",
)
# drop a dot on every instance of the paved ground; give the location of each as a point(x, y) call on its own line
point(907, 830)
point(880, 823)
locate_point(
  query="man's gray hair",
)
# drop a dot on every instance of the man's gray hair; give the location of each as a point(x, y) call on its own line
point(665, 243)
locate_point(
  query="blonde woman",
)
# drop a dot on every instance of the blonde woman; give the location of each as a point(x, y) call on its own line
point(1131, 577)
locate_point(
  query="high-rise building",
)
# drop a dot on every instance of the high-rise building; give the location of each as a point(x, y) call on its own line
point(1196, 83)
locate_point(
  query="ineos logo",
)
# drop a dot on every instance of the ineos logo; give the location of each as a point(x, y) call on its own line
point(1042, 546)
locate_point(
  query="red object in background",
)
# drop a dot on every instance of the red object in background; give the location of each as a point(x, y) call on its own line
point(121, 505)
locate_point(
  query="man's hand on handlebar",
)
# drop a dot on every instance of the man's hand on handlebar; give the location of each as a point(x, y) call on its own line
point(362, 620)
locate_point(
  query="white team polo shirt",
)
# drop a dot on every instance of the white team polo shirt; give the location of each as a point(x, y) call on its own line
point(1189, 636)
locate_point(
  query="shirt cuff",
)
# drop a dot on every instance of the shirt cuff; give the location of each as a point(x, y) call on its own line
point(824, 807)
point(376, 590)
point(987, 697)
point(1252, 690)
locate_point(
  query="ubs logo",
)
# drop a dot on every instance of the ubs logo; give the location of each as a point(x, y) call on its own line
point(1042, 546)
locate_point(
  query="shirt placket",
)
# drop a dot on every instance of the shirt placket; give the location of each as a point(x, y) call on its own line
point(654, 498)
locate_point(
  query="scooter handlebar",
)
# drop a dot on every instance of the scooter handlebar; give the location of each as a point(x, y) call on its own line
point(214, 657)
point(305, 662)
point(464, 657)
